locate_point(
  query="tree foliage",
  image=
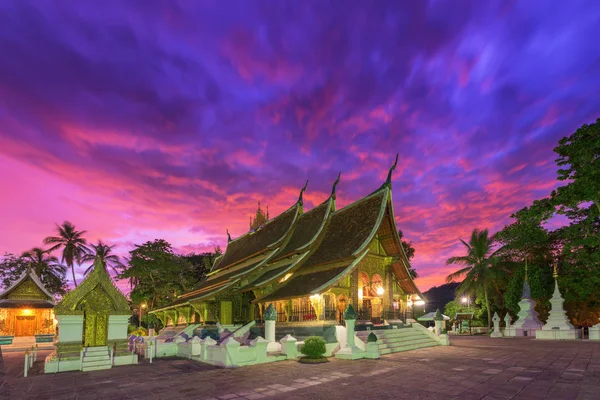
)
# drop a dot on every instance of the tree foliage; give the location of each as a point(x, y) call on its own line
point(157, 275)
point(482, 269)
point(46, 267)
point(574, 248)
point(409, 250)
point(73, 245)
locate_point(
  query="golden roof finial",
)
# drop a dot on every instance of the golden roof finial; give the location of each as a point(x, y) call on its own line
point(555, 273)
point(335, 184)
point(525, 269)
point(388, 181)
point(302, 192)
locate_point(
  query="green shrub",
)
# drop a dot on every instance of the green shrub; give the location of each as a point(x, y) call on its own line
point(372, 338)
point(131, 328)
point(313, 347)
point(139, 332)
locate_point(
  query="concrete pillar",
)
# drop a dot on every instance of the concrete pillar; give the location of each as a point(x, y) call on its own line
point(350, 332)
point(496, 321)
point(350, 351)
point(438, 327)
point(289, 347)
point(270, 316)
point(354, 288)
point(390, 289)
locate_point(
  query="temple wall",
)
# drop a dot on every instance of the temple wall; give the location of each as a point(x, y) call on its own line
point(43, 321)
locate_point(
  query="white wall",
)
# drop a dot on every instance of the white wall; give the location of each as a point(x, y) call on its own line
point(117, 326)
point(70, 328)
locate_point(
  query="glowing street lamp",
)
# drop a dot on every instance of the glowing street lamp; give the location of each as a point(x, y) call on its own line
point(142, 306)
point(467, 300)
point(380, 291)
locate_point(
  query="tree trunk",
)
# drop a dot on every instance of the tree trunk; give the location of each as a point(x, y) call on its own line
point(73, 271)
point(487, 305)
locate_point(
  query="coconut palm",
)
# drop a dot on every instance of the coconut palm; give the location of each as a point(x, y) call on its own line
point(481, 266)
point(102, 252)
point(45, 266)
point(72, 242)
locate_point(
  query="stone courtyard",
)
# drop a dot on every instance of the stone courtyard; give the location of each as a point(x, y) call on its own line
point(472, 368)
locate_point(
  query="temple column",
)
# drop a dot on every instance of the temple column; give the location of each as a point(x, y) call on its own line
point(390, 290)
point(354, 288)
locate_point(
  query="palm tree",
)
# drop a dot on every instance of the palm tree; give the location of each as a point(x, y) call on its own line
point(481, 266)
point(102, 252)
point(45, 266)
point(72, 242)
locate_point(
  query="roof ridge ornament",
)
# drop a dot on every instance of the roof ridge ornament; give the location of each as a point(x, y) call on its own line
point(228, 236)
point(555, 273)
point(388, 181)
point(335, 184)
point(300, 200)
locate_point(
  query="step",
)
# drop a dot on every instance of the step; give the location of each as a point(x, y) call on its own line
point(96, 368)
point(413, 342)
point(97, 349)
point(96, 356)
point(96, 363)
point(406, 348)
point(403, 339)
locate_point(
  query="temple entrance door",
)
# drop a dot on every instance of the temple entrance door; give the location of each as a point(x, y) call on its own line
point(95, 329)
point(226, 317)
point(25, 325)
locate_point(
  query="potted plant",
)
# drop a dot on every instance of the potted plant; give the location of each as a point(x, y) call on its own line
point(372, 348)
point(313, 350)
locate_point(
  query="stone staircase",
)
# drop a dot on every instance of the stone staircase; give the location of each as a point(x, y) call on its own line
point(396, 340)
point(96, 358)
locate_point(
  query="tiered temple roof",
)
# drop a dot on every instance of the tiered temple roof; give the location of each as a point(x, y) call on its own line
point(308, 252)
point(27, 291)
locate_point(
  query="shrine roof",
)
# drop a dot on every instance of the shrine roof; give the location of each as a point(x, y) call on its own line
point(26, 275)
point(311, 283)
point(98, 278)
point(23, 303)
point(255, 242)
point(349, 230)
point(268, 276)
point(306, 229)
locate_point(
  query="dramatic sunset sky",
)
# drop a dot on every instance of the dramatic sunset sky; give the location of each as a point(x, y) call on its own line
point(139, 120)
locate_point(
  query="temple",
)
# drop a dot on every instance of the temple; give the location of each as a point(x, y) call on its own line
point(26, 311)
point(310, 265)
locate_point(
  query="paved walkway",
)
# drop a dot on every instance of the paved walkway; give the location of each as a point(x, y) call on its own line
point(472, 368)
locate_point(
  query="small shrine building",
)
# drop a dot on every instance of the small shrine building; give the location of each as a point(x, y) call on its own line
point(26, 309)
point(310, 265)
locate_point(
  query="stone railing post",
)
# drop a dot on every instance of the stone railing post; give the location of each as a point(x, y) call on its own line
point(231, 347)
point(196, 346)
point(208, 341)
point(289, 347)
point(594, 332)
point(260, 346)
point(270, 317)
point(26, 363)
point(350, 351)
point(507, 330)
point(439, 320)
point(496, 321)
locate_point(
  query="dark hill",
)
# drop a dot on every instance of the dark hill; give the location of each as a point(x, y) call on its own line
point(439, 296)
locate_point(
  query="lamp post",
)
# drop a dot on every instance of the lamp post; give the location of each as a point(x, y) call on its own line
point(468, 301)
point(142, 306)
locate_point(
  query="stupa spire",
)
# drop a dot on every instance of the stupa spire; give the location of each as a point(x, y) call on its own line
point(558, 325)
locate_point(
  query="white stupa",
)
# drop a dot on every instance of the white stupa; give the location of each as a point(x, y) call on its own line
point(527, 319)
point(558, 325)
